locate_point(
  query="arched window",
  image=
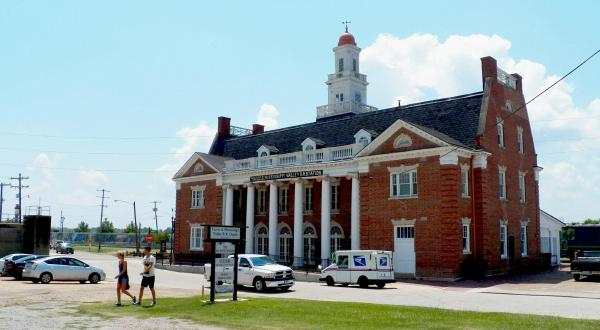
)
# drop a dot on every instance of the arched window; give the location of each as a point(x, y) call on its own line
point(309, 148)
point(310, 243)
point(337, 234)
point(285, 242)
point(363, 140)
point(261, 239)
point(264, 154)
point(198, 168)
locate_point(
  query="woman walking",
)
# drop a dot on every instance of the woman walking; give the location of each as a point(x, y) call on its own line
point(122, 279)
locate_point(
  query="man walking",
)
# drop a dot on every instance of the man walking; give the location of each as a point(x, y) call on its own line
point(147, 276)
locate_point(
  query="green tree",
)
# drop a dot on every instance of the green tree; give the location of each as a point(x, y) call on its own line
point(82, 227)
point(161, 237)
point(591, 222)
point(107, 227)
point(130, 228)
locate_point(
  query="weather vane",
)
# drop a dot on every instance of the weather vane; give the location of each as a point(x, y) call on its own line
point(346, 23)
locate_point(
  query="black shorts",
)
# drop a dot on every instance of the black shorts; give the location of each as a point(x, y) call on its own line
point(148, 281)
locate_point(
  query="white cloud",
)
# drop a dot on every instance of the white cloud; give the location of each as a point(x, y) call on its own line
point(422, 67)
point(268, 116)
point(93, 178)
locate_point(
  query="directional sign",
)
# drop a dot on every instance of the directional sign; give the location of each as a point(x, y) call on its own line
point(230, 233)
point(224, 262)
point(224, 248)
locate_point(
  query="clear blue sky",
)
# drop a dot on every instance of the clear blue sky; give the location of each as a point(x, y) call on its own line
point(150, 68)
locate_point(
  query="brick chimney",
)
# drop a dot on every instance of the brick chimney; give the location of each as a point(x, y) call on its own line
point(519, 81)
point(223, 127)
point(489, 68)
point(257, 128)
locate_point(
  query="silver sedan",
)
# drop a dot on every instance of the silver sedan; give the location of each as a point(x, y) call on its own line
point(51, 269)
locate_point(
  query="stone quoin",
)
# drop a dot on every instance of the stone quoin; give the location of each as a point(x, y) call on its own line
point(437, 182)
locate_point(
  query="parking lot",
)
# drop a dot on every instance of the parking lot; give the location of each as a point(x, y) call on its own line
point(552, 293)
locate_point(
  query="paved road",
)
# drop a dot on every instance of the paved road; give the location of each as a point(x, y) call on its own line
point(548, 294)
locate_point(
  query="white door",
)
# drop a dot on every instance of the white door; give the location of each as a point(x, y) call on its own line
point(404, 249)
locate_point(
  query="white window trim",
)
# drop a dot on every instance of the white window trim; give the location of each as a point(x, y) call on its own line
point(522, 187)
point(464, 169)
point(412, 172)
point(260, 201)
point(502, 172)
point(192, 229)
point(520, 142)
point(362, 134)
point(202, 190)
point(283, 200)
point(307, 201)
point(524, 225)
point(504, 224)
point(402, 141)
point(500, 132)
point(466, 223)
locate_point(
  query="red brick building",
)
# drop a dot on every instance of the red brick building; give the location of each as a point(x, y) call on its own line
point(436, 182)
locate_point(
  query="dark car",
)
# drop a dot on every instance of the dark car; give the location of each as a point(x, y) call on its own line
point(65, 247)
point(14, 267)
point(586, 263)
point(9, 257)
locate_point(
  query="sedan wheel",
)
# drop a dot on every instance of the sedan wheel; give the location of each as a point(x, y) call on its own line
point(94, 278)
point(46, 278)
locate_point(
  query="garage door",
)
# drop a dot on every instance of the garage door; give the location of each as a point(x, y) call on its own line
point(404, 249)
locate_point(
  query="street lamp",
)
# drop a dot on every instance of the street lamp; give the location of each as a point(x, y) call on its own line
point(137, 234)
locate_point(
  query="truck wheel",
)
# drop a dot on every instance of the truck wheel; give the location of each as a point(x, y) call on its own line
point(380, 285)
point(259, 284)
point(577, 277)
point(363, 282)
point(329, 280)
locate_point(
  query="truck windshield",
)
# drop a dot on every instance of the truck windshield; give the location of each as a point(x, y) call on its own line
point(261, 261)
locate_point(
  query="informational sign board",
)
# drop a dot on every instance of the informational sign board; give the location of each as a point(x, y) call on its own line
point(224, 233)
point(224, 248)
point(288, 175)
point(224, 240)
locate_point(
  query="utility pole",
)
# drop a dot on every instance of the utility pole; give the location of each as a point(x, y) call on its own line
point(2, 185)
point(102, 206)
point(62, 221)
point(155, 209)
point(20, 186)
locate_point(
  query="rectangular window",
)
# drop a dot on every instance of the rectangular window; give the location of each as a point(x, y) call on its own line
point(522, 187)
point(341, 97)
point(523, 241)
point(466, 244)
point(198, 198)
point(503, 242)
point(404, 184)
point(340, 65)
point(464, 182)
point(308, 203)
point(405, 232)
point(354, 64)
point(500, 135)
point(520, 139)
point(357, 98)
point(502, 184)
point(335, 198)
point(261, 202)
point(283, 200)
point(196, 239)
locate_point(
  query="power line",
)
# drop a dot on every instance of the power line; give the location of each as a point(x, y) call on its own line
point(113, 138)
point(79, 169)
point(2, 185)
point(20, 186)
point(91, 152)
point(502, 120)
point(102, 206)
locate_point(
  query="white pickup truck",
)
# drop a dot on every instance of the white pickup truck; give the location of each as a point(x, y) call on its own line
point(260, 272)
point(362, 267)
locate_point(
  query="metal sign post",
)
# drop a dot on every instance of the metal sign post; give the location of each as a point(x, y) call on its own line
point(224, 241)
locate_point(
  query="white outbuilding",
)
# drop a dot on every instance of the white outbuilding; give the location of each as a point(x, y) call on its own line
point(550, 228)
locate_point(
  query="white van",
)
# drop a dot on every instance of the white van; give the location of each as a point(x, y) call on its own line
point(362, 267)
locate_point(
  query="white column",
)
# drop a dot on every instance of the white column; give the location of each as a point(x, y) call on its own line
point(273, 219)
point(325, 220)
point(250, 218)
point(355, 213)
point(298, 223)
point(229, 205)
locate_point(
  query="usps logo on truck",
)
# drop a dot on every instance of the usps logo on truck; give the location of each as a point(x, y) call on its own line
point(383, 262)
point(360, 261)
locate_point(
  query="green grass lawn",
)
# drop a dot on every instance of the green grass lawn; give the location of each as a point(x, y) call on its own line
point(264, 313)
point(103, 249)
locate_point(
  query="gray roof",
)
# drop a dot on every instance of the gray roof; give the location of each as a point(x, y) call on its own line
point(217, 162)
point(454, 120)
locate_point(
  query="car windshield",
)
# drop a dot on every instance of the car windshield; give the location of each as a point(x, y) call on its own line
point(593, 254)
point(20, 257)
point(27, 258)
point(261, 261)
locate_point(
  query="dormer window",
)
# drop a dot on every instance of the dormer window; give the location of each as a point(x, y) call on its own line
point(364, 137)
point(311, 144)
point(265, 151)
